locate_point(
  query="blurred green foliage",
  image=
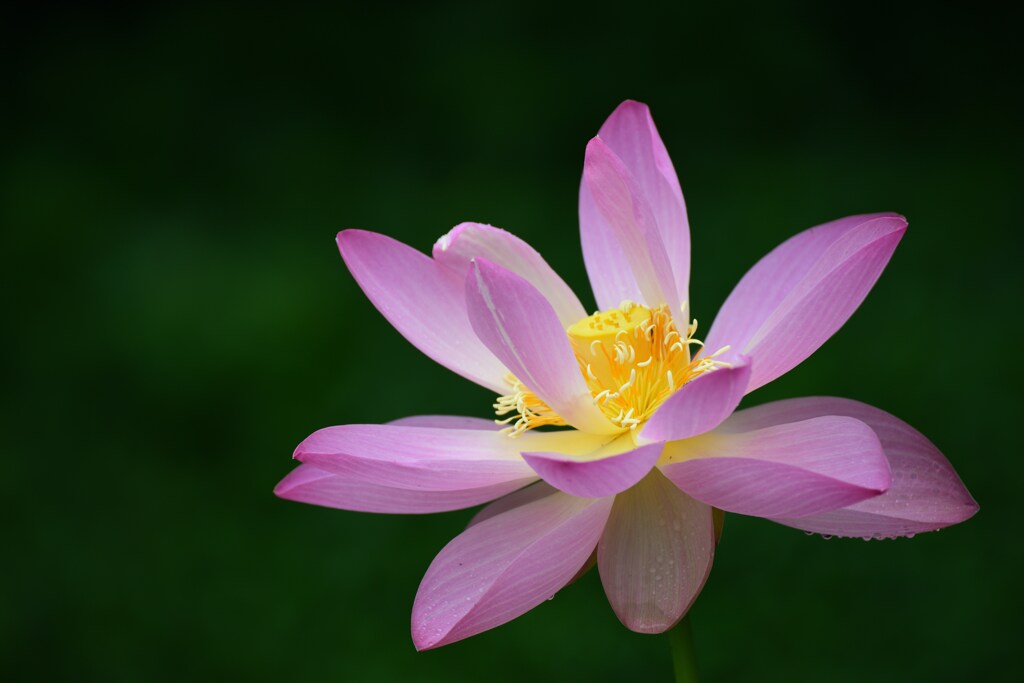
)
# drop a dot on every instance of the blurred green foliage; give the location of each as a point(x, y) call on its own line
point(178, 318)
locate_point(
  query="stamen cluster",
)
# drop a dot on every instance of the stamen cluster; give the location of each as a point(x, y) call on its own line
point(632, 358)
point(528, 411)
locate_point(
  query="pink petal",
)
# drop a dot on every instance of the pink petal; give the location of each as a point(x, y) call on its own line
point(763, 288)
point(446, 422)
point(789, 470)
point(517, 498)
point(611, 276)
point(631, 135)
point(596, 476)
point(307, 484)
point(797, 296)
point(422, 458)
point(655, 554)
point(504, 566)
point(469, 241)
point(630, 218)
point(926, 494)
point(702, 404)
point(515, 321)
point(423, 301)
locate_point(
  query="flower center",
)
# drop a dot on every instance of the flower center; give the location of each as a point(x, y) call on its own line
point(632, 358)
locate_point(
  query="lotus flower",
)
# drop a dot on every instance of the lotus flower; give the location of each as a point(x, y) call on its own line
point(648, 448)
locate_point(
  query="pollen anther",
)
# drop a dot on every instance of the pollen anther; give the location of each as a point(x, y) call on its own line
point(627, 391)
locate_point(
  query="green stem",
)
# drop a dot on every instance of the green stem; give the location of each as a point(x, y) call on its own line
point(684, 660)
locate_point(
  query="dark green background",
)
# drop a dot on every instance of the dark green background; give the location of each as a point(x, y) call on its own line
point(178, 318)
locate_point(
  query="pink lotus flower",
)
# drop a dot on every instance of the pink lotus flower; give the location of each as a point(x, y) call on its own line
point(653, 447)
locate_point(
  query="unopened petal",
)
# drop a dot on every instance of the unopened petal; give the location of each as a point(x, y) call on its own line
point(504, 566)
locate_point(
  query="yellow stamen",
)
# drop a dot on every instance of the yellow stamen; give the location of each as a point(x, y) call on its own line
point(632, 359)
point(527, 410)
